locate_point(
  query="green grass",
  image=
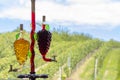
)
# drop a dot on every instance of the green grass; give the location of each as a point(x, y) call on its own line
point(110, 68)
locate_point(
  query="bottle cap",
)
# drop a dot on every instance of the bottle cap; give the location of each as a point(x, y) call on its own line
point(44, 18)
point(21, 27)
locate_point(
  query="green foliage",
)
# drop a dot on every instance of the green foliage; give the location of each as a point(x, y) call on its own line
point(65, 36)
point(67, 70)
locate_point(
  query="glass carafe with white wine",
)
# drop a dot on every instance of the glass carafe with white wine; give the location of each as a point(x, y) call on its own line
point(21, 47)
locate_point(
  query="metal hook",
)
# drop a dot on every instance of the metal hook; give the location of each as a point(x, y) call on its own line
point(12, 70)
point(54, 58)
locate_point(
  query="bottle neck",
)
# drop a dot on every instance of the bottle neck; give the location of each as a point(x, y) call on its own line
point(21, 34)
point(43, 26)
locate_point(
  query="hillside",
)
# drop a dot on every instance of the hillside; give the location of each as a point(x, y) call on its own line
point(63, 45)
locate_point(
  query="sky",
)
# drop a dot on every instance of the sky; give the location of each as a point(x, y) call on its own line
point(99, 18)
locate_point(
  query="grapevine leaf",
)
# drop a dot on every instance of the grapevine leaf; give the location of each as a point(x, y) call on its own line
point(29, 54)
point(35, 36)
point(47, 27)
point(17, 36)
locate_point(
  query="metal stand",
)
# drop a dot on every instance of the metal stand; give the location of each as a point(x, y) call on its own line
point(33, 76)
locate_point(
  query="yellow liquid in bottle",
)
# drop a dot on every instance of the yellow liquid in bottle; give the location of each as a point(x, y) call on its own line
point(21, 47)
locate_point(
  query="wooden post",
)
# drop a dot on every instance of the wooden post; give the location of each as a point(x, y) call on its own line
point(60, 76)
point(95, 69)
point(69, 65)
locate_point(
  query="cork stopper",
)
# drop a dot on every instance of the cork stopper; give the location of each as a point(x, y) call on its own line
point(21, 27)
point(44, 18)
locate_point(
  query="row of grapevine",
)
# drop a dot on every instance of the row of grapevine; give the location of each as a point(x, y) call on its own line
point(106, 47)
point(100, 55)
point(105, 52)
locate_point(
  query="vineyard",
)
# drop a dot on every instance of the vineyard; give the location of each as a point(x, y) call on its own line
point(74, 46)
point(108, 64)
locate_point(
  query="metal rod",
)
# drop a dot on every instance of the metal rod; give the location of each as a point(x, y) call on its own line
point(95, 70)
point(32, 37)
